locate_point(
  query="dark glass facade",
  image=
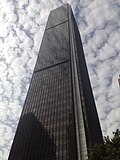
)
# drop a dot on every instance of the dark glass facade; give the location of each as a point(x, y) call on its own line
point(59, 119)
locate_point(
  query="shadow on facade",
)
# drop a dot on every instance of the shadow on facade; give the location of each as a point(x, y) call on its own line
point(32, 141)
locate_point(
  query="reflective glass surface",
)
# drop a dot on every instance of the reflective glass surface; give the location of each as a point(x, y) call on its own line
point(46, 128)
point(54, 48)
point(57, 16)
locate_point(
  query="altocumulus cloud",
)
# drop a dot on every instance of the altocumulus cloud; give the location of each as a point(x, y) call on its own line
point(22, 25)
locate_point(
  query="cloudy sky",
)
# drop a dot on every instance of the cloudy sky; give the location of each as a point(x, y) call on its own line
point(22, 24)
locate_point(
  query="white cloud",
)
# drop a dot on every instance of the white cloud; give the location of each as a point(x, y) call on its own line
point(100, 34)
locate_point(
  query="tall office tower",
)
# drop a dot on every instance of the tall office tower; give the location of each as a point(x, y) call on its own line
point(59, 120)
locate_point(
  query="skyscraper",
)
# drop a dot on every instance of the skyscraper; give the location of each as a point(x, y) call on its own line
point(59, 120)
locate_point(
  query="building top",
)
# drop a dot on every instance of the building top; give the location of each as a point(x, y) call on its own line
point(57, 16)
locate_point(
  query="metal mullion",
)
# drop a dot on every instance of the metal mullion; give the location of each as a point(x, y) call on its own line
point(31, 108)
point(62, 119)
point(53, 124)
point(38, 102)
point(25, 127)
point(41, 107)
point(47, 123)
point(46, 115)
point(51, 111)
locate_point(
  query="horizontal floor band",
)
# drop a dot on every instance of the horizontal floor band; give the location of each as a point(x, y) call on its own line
point(51, 66)
point(56, 25)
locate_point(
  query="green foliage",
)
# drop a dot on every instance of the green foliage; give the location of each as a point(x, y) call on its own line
point(109, 150)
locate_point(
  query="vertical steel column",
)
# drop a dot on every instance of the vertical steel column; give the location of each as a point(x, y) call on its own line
point(79, 122)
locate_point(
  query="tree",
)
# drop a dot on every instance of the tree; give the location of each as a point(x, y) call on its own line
point(108, 150)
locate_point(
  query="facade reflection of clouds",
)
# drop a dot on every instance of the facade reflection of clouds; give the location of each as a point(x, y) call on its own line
point(21, 29)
